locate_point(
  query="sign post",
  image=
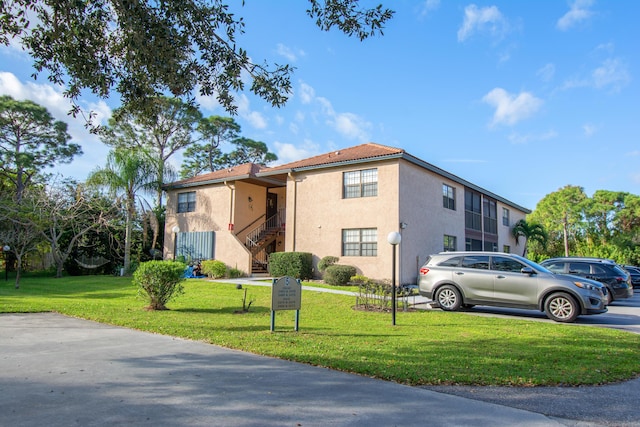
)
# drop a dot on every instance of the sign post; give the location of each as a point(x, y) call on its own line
point(286, 294)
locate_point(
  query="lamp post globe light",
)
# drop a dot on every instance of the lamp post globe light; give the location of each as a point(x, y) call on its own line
point(394, 239)
point(6, 249)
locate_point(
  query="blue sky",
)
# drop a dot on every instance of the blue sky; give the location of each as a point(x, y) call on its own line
point(520, 98)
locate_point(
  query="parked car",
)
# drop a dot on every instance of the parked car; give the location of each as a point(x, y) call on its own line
point(606, 271)
point(457, 280)
point(635, 275)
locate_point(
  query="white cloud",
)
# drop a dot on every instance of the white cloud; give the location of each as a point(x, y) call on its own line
point(349, 125)
point(547, 72)
point(482, 20)
point(290, 153)
point(511, 109)
point(519, 139)
point(288, 53)
point(255, 118)
point(589, 129)
point(427, 7)
point(612, 74)
point(306, 93)
point(578, 12)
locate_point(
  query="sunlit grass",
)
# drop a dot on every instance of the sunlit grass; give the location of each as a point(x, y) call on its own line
point(425, 346)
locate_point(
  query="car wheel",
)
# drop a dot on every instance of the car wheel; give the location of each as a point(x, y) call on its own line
point(448, 298)
point(561, 307)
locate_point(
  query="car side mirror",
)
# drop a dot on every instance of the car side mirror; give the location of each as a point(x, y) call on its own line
point(528, 270)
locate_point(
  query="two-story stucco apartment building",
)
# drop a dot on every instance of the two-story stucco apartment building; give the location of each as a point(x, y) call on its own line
point(342, 204)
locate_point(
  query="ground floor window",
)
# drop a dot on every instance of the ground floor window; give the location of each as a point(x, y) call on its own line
point(472, 244)
point(450, 243)
point(506, 249)
point(360, 242)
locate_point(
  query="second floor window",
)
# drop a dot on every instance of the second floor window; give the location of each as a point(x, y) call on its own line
point(363, 183)
point(490, 216)
point(187, 202)
point(448, 197)
point(472, 211)
point(505, 216)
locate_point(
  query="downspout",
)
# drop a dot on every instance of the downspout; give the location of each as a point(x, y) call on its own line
point(231, 202)
point(295, 210)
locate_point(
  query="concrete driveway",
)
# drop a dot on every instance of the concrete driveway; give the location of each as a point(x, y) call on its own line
point(62, 371)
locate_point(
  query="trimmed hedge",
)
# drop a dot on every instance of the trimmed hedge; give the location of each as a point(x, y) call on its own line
point(339, 275)
point(293, 264)
point(326, 262)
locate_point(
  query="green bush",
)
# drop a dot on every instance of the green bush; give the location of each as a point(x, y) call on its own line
point(326, 262)
point(213, 268)
point(159, 281)
point(234, 273)
point(293, 264)
point(339, 275)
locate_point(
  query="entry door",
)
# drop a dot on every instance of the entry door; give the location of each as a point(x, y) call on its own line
point(272, 204)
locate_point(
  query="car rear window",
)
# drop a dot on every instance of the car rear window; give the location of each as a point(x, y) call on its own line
point(619, 271)
point(480, 262)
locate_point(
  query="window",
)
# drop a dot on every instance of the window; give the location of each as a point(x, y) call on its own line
point(450, 243)
point(506, 249)
point(490, 246)
point(472, 244)
point(472, 211)
point(448, 197)
point(490, 216)
point(505, 216)
point(505, 264)
point(480, 262)
point(362, 183)
point(360, 242)
point(187, 202)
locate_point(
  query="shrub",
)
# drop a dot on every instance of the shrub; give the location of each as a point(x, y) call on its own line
point(339, 275)
point(159, 281)
point(234, 273)
point(293, 264)
point(326, 262)
point(213, 268)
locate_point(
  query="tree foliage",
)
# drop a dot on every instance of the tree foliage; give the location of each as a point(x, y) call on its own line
point(168, 127)
point(30, 140)
point(127, 175)
point(145, 49)
point(208, 157)
point(606, 225)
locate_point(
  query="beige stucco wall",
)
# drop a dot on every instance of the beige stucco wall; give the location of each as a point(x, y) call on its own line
point(214, 212)
point(427, 220)
point(317, 214)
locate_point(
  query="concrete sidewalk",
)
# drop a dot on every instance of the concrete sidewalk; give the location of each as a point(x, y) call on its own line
point(61, 371)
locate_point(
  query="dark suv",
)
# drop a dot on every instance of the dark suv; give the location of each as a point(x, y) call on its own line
point(614, 277)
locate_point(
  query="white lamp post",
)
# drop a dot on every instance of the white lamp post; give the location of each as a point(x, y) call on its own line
point(175, 230)
point(394, 240)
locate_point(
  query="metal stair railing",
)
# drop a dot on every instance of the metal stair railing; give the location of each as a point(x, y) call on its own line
point(256, 236)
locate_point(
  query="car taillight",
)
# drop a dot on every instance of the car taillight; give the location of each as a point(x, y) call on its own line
point(620, 279)
point(424, 270)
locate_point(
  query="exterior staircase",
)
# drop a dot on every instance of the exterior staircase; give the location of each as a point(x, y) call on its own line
point(260, 238)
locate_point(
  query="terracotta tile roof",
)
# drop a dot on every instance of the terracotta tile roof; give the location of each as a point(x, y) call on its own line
point(359, 152)
point(246, 169)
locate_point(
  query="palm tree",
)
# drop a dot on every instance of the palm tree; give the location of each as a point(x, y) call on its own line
point(127, 173)
point(531, 232)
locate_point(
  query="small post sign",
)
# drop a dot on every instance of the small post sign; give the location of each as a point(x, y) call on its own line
point(286, 294)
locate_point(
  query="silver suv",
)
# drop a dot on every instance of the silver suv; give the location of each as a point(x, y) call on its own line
point(456, 280)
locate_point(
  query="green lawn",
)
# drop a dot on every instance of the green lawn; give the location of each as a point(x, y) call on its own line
point(425, 347)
